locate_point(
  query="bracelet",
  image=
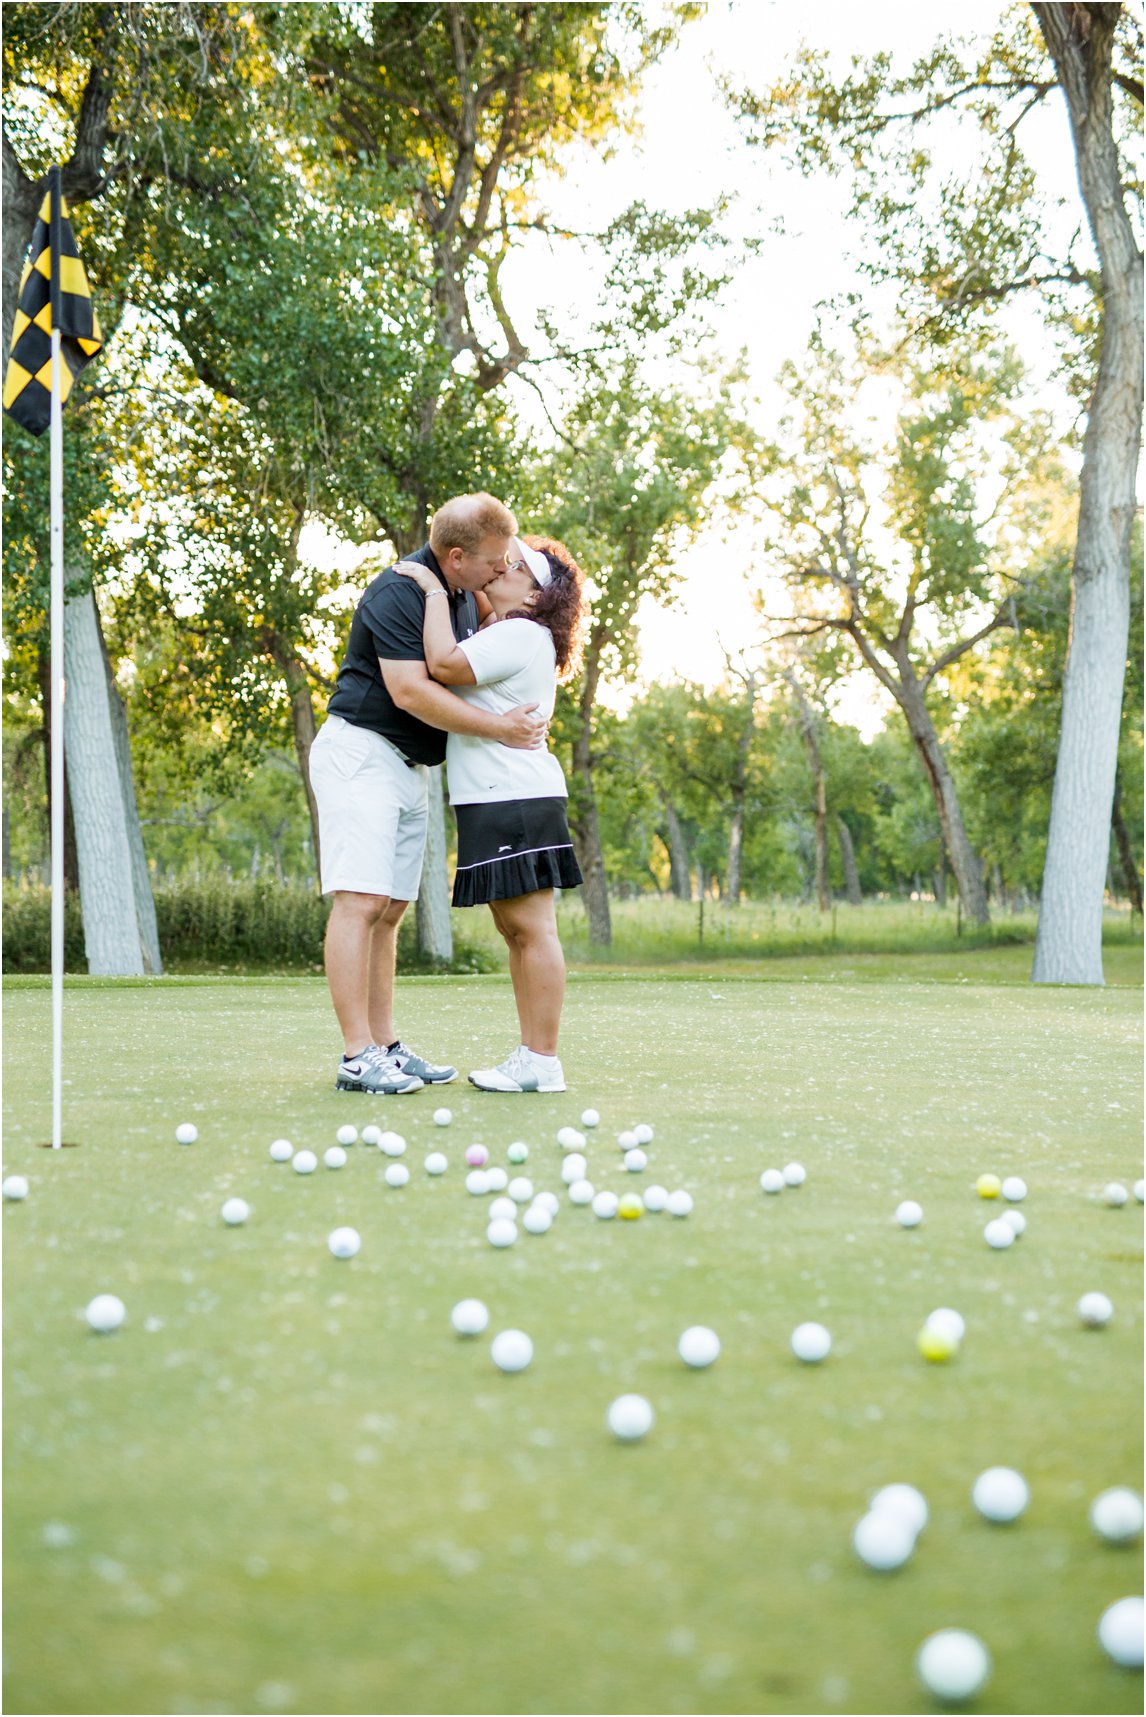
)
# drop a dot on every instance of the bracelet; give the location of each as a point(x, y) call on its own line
point(429, 593)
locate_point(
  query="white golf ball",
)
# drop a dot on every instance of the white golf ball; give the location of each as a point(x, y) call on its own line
point(186, 1133)
point(344, 1242)
point(795, 1174)
point(1140, 1190)
point(909, 1214)
point(304, 1162)
point(1116, 1515)
point(443, 1117)
point(105, 1313)
point(477, 1182)
point(235, 1212)
point(678, 1203)
point(347, 1135)
point(520, 1190)
point(496, 1179)
point(903, 1500)
point(1120, 1632)
point(643, 1133)
point(397, 1174)
point(334, 1157)
point(370, 1134)
point(655, 1198)
point(573, 1168)
point(1014, 1188)
point(516, 1153)
point(635, 1161)
point(436, 1163)
point(582, 1192)
point(629, 1418)
point(1000, 1494)
point(590, 1119)
point(883, 1539)
point(282, 1151)
point(999, 1235)
point(811, 1343)
point(698, 1346)
point(537, 1219)
point(511, 1350)
point(1017, 1221)
point(953, 1664)
point(503, 1209)
point(627, 1141)
point(605, 1206)
point(570, 1139)
point(772, 1181)
point(1094, 1310)
point(1115, 1195)
point(548, 1201)
point(469, 1317)
point(948, 1322)
point(392, 1144)
point(14, 1188)
point(501, 1232)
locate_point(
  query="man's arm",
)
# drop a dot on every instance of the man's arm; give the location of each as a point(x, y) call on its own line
point(412, 689)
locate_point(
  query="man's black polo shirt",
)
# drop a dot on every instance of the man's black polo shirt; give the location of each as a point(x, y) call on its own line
point(388, 623)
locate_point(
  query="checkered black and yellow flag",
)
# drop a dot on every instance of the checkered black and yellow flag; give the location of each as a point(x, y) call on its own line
point(54, 279)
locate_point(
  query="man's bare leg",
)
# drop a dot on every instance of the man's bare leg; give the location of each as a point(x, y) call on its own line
point(349, 934)
point(383, 963)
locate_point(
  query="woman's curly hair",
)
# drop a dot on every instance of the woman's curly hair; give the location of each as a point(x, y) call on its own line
point(560, 604)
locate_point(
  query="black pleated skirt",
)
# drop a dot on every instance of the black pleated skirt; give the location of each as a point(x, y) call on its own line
point(513, 847)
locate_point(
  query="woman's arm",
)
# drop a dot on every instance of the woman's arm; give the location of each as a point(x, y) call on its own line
point(446, 663)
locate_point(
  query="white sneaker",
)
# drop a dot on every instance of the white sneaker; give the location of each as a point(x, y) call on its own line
point(519, 1072)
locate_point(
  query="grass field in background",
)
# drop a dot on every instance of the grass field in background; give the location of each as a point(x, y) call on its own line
point(285, 1485)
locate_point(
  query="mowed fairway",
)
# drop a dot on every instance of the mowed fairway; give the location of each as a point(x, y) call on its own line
point(285, 1485)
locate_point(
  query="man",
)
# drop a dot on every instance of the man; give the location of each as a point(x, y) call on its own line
point(386, 723)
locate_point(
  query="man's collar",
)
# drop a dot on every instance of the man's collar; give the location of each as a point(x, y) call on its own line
point(430, 559)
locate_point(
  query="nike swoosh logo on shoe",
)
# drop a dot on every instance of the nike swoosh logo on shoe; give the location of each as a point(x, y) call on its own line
point(355, 1070)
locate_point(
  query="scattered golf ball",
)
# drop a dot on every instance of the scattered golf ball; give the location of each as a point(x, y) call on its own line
point(477, 1182)
point(1095, 1310)
point(469, 1317)
point(944, 1318)
point(105, 1313)
point(999, 1235)
point(549, 1201)
point(1014, 1188)
point(1140, 1190)
point(936, 1343)
point(679, 1203)
point(436, 1163)
point(347, 1135)
point(511, 1350)
point(635, 1161)
point(629, 1418)
point(1017, 1221)
point(503, 1207)
point(235, 1212)
point(477, 1156)
point(344, 1242)
point(643, 1133)
point(370, 1134)
point(304, 1162)
point(698, 1346)
point(186, 1133)
point(520, 1190)
point(517, 1153)
point(282, 1151)
point(590, 1119)
point(397, 1174)
point(631, 1207)
point(902, 1500)
point(443, 1117)
point(953, 1664)
point(392, 1144)
point(883, 1539)
point(655, 1198)
point(582, 1192)
point(570, 1139)
point(772, 1180)
point(537, 1219)
point(909, 1214)
point(14, 1187)
point(627, 1141)
point(573, 1168)
point(496, 1179)
point(1115, 1195)
point(501, 1232)
point(1116, 1515)
point(605, 1206)
point(988, 1186)
point(1000, 1494)
point(811, 1343)
point(334, 1157)
point(1120, 1632)
point(795, 1174)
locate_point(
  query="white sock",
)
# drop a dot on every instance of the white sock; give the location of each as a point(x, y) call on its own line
point(546, 1062)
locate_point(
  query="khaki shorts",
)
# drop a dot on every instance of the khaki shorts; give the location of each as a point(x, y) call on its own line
point(371, 812)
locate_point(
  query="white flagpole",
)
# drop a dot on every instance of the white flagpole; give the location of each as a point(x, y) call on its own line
point(57, 702)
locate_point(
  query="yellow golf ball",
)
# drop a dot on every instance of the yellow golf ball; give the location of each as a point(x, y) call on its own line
point(988, 1186)
point(936, 1345)
point(630, 1208)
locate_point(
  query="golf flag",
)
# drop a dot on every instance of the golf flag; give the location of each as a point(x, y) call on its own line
point(54, 292)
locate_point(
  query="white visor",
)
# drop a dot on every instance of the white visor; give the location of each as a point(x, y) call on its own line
point(536, 562)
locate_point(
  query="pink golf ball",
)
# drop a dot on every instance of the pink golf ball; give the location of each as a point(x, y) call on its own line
point(477, 1156)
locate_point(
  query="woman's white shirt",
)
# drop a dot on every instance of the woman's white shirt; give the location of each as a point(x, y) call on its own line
point(513, 662)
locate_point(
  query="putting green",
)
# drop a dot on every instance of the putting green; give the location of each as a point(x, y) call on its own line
point(285, 1485)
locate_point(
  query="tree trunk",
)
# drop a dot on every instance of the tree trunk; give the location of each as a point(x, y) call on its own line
point(44, 675)
point(735, 851)
point(1126, 853)
point(1068, 945)
point(432, 912)
point(679, 874)
point(964, 864)
point(111, 931)
point(848, 857)
point(291, 667)
point(145, 918)
point(22, 199)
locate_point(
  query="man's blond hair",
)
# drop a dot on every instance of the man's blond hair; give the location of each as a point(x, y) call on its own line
point(465, 520)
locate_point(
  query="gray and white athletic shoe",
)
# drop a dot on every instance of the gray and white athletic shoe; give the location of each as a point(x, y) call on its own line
point(519, 1072)
point(426, 1071)
point(376, 1073)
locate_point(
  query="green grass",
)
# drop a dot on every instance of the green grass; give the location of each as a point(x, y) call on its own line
point(285, 1486)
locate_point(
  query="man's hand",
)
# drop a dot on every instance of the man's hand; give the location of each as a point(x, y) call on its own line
point(421, 575)
point(525, 729)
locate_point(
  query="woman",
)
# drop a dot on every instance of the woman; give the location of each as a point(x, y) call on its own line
point(513, 833)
